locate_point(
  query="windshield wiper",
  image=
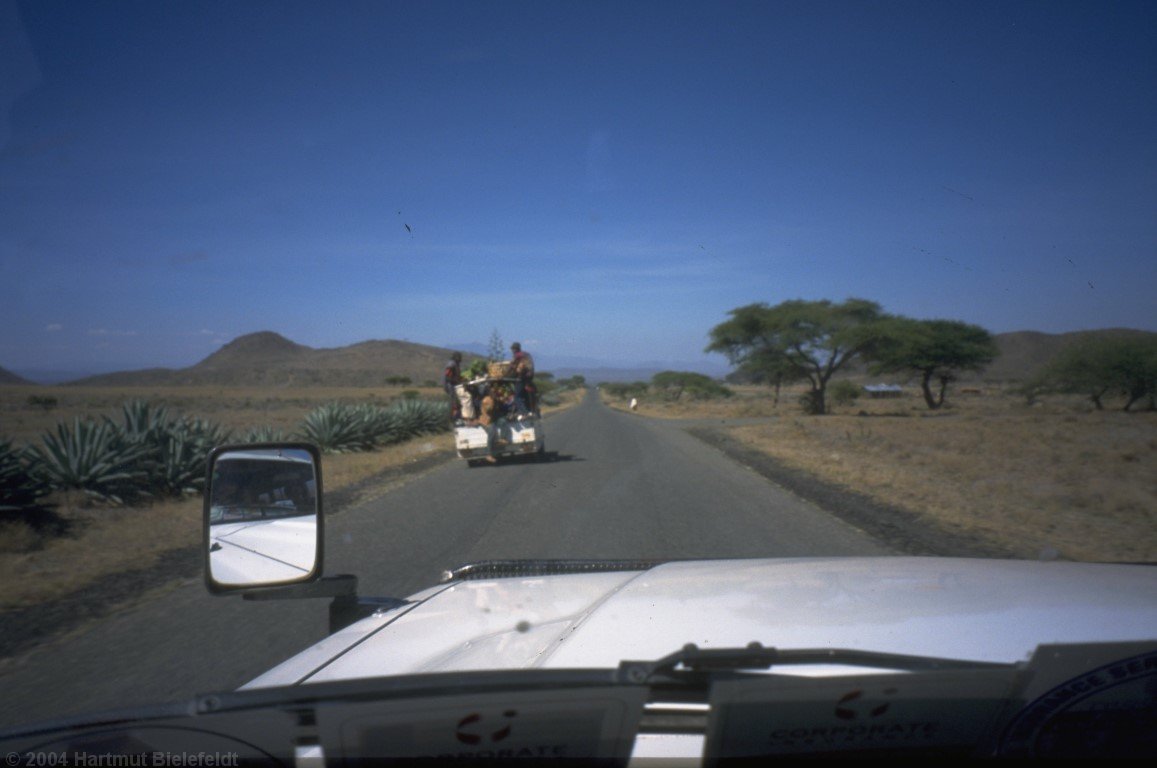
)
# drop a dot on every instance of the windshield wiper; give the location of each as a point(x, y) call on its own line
point(692, 663)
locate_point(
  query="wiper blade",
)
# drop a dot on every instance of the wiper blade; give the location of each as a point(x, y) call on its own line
point(692, 662)
point(500, 569)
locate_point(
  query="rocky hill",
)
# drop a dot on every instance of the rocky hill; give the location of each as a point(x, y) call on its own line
point(8, 377)
point(269, 359)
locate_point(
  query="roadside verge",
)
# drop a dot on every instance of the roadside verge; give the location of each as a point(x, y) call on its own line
point(897, 528)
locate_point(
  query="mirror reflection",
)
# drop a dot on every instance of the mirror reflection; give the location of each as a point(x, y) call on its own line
point(263, 516)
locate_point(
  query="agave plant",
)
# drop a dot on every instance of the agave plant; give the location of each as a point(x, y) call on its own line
point(181, 453)
point(338, 428)
point(19, 489)
point(263, 434)
point(92, 457)
point(175, 447)
point(419, 417)
point(143, 423)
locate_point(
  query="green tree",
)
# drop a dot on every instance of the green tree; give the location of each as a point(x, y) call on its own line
point(936, 350)
point(495, 350)
point(1097, 367)
point(798, 340)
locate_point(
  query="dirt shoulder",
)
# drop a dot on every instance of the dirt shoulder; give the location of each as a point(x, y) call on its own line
point(900, 529)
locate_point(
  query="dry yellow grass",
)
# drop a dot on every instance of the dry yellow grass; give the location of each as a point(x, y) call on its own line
point(107, 540)
point(1054, 476)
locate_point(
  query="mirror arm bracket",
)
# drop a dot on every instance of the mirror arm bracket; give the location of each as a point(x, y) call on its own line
point(346, 607)
point(337, 587)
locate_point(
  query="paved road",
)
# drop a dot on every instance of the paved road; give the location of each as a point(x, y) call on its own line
point(614, 485)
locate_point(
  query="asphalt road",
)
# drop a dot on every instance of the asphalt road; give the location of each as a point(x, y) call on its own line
point(613, 485)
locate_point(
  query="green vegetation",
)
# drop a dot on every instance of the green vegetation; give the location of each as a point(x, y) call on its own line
point(798, 340)
point(150, 453)
point(625, 391)
point(342, 428)
point(843, 392)
point(45, 402)
point(19, 490)
point(398, 381)
point(932, 349)
point(673, 385)
point(1098, 368)
point(93, 457)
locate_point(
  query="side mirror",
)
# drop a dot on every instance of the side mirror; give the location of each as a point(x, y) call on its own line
point(263, 519)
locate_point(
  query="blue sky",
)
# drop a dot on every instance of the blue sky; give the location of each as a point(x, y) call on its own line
point(597, 179)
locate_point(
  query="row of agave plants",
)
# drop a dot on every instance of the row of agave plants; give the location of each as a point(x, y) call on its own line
point(152, 453)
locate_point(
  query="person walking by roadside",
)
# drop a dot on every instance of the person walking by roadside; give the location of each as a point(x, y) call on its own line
point(523, 371)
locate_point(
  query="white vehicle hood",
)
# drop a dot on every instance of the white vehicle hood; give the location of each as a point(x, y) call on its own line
point(983, 610)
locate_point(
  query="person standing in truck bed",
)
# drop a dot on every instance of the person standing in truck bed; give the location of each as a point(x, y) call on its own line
point(522, 369)
point(451, 378)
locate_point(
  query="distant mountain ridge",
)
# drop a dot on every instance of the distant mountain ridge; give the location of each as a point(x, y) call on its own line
point(267, 358)
point(8, 377)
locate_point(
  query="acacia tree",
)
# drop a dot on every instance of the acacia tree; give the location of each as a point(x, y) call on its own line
point(771, 369)
point(798, 340)
point(933, 349)
point(1097, 367)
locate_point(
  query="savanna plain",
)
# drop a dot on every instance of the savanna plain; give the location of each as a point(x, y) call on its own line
point(1051, 479)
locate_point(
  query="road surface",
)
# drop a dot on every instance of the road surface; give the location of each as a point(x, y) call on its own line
point(613, 485)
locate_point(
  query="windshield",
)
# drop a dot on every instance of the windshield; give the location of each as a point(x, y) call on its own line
point(638, 282)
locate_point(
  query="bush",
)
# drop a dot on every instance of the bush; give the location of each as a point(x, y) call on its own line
point(810, 403)
point(45, 402)
point(843, 392)
point(673, 385)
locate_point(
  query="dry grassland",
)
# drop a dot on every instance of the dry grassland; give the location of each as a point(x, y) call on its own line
point(102, 540)
point(1057, 476)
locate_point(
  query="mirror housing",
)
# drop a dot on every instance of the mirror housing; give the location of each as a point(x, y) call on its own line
point(262, 516)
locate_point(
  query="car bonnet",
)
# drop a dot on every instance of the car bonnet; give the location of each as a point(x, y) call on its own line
point(981, 610)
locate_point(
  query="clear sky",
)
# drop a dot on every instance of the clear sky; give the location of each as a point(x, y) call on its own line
point(596, 179)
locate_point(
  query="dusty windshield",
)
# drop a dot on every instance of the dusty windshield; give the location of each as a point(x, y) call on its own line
point(636, 281)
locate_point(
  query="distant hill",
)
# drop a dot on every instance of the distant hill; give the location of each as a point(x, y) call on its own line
point(8, 377)
point(269, 359)
point(1023, 353)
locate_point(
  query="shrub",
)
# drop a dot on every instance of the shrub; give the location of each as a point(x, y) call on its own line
point(843, 392)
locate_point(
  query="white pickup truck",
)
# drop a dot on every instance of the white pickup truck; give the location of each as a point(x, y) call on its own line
point(507, 435)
